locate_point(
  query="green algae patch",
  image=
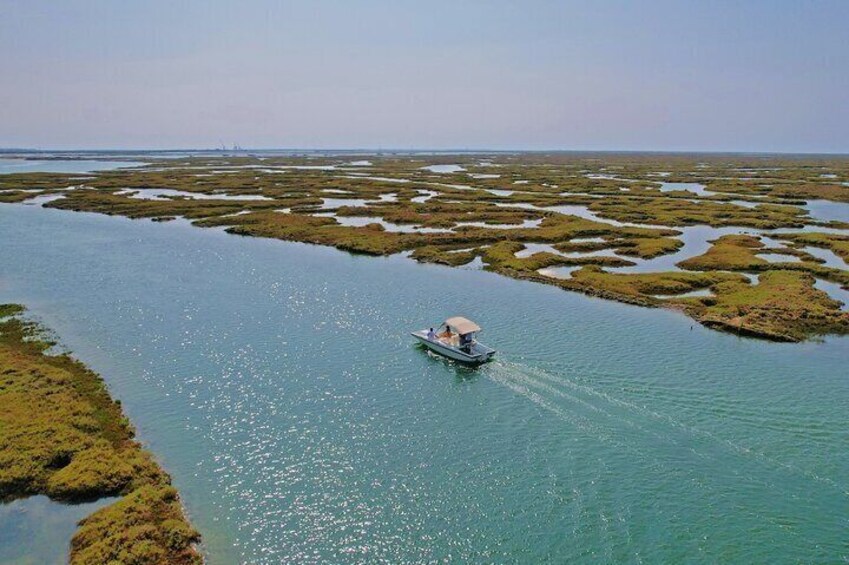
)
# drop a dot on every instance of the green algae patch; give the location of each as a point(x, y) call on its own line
point(62, 435)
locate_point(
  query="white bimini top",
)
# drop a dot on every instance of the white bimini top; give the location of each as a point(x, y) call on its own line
point(462, 325)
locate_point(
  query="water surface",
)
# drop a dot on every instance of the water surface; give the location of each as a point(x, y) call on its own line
point(38, 531)
point(278, 384)
point(61, 165)
point(827, 211)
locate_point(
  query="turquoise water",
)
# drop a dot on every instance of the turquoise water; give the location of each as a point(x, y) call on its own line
point(277, 383)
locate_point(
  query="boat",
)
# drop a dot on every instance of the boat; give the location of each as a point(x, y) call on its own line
point(456, 338)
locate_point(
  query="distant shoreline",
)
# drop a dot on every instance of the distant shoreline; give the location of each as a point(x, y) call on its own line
point(752, 246)
point(294, 151)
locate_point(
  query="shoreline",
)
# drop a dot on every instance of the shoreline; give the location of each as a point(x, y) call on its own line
point(749, 257)
point(66, 438)
point(217, 357)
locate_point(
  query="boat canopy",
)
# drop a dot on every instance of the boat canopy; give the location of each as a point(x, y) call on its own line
point(462, 325)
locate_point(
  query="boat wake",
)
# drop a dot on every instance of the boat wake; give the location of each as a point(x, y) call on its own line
point(639, 429)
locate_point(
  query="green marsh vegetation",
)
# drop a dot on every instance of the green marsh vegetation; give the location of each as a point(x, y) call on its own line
point(63, 436)
point(613, 209)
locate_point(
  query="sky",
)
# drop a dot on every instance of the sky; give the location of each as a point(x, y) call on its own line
point(709, 75)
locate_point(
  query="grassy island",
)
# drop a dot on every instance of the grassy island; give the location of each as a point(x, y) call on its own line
point(63, 436)
point(602, 217)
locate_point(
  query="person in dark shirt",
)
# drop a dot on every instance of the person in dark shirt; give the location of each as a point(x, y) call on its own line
point(466, 341)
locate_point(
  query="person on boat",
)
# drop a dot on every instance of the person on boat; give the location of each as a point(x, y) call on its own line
point(466, 341)
point(446, 335)
point(431, 335)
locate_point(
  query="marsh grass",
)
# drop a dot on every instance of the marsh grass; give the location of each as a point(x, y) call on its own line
point(62, 435)
point(623, 188)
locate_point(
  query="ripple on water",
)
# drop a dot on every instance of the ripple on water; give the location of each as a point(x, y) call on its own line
point(278, 385)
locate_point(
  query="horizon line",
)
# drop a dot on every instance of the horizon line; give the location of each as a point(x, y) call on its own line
point(455, 150)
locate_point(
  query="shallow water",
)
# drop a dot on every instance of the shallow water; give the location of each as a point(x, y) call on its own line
point(697, 240)
point(745, 203)
point(524, 225)
point(578, 210)
point(381, 179)
point(830, 258)
point(360, 221)
point(444, 168)
point(835, 291)
point(692, 294)
point(37, 531)
point(533, 248)
point(827, 211)
point(277, 383)
point(694, 187)
point(169, 193)
point(331, 203)
point(8, 166)
point(779, 258)
point(559, 272)
point(609, 177)
point(424, 196)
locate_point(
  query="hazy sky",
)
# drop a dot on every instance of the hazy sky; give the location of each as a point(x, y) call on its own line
point(758, 75)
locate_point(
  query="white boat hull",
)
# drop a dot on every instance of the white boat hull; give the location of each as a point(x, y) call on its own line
point(478, 353)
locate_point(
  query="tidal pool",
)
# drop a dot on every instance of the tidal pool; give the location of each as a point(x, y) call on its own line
point(827, 211)
point(360, 221)
point(534, 248)
point(168, 193)
point(779, 258)
point(835, 291)
point(559, 272)
point(578, 210)
point(697, 240)
point(444, 168)
point(524, 225)
point(694, 187)
point(830, 258)
point(692, 294)
point(278, 385)
point(38, 531)
point(424, 196)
